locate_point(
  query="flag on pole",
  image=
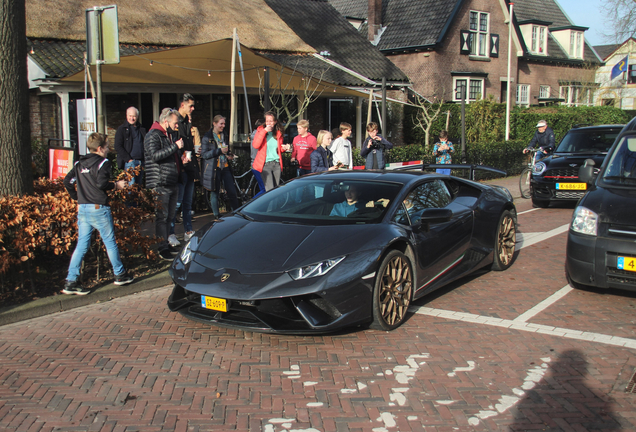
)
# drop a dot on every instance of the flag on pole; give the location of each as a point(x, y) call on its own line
point(619, 68)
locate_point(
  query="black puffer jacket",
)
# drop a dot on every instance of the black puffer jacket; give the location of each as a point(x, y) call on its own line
point(161, 157)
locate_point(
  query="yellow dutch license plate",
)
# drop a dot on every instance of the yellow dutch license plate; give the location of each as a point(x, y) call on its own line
point(626, 263)
point(213, 303)
point(571, 186)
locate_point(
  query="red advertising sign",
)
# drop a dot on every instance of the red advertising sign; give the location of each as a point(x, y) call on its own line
point(60, 162)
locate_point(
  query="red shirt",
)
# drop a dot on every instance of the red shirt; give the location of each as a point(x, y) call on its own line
point(303, 147)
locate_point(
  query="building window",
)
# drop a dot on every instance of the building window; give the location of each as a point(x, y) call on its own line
point(475, 88)
point(631, 74)
point(523, 94)
point(576, 44)
point(479, 25)
point(575, 96)
point(544, 92)
point(538, 39)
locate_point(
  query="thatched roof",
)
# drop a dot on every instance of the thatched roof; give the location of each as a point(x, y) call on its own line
point(169, 22)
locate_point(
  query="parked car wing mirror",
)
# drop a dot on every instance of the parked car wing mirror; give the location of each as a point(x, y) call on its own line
point(586, 172)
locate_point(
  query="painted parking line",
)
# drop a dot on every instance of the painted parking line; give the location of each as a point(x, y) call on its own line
point(528, 239)
point(544, 304)
point(524, 326)
point(528, 211)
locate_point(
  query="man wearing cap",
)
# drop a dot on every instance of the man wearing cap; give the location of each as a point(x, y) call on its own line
point(543, 137)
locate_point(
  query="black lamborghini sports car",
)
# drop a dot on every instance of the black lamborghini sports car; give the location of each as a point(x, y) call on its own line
point(341, 249)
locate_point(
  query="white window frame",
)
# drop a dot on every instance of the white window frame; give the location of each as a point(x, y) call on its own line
point(544, 92)
point(539, 39)
point(576, 44)
point(571, 94)
point(480, 36)
point(523, 94)
point(468, 81)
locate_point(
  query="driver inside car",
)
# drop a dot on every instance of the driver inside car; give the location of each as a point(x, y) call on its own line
point(349, 205)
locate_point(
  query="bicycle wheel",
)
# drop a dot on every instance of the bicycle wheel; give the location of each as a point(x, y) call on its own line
point(524, 183)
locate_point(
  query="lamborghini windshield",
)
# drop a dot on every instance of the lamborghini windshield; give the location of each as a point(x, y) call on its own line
point(323, 201)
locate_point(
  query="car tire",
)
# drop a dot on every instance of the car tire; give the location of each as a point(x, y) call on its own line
point(393, 291)
point(505, 240)
point(540, 203)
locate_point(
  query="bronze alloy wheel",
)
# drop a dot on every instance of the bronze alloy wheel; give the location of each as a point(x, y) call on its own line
point(506, 239)
point(393, 291)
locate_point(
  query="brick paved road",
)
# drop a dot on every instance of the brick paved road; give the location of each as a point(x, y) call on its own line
point(467, 359)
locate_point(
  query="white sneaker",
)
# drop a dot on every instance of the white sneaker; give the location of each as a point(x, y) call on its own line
point(172, 239)
point(187, 236)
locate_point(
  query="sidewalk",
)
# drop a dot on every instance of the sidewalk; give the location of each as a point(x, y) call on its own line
point(61, 302)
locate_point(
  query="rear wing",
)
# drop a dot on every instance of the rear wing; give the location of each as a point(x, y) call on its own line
point(471, 168)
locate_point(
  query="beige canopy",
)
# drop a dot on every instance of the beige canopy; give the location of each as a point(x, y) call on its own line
point(210, 64)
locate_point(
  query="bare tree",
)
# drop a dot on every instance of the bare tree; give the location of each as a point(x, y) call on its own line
point(288, 101)
point(621, 17)
point(428, 110)
point(15, 140)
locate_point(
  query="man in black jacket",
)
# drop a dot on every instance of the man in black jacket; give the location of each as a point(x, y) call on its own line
point(129, 144)
point(189, 168)
point(92, 176)
point(543, 137)
point(163, 166)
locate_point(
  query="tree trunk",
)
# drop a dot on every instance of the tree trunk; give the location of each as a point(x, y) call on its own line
point(15, 131)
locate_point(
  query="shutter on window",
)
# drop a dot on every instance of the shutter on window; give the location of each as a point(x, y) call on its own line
point(464, 37)
point(494, 45)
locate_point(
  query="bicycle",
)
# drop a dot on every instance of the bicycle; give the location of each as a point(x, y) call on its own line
point(243, 194)
point(526, 176)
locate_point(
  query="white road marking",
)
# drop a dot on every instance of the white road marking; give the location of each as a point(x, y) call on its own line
point(506, 402)
point(544, 304)
point(529, 327)
point(528, 211)
point(527, 240)
point(471, 366)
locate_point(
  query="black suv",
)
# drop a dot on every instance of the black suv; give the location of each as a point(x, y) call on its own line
point(556, 178)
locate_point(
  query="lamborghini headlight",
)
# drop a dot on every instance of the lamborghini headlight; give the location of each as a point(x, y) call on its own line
point(188, 251)
point(314, 270)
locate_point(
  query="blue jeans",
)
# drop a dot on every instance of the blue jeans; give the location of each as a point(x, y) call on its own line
point(227, 178)
point(101, 219)
point(184, 200)
point(259, 180)
point(139, 179)
point(302, 172)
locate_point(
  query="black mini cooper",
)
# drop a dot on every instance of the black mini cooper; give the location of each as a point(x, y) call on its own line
point(555, 177)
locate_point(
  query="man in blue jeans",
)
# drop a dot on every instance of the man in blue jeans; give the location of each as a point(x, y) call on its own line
point(92, 176)
point(129, 144)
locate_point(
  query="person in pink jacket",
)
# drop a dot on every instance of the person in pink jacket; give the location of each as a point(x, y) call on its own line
point(268, 140)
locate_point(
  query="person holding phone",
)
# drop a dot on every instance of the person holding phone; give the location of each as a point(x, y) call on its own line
point(322, 158)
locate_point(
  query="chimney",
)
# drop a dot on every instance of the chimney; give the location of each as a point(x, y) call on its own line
point(374, 18)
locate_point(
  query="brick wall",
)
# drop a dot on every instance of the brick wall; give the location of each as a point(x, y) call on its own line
point(44, 116)
point(430, 71)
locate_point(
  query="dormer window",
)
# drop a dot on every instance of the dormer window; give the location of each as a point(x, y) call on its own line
point(539, 39)
point(576, 44)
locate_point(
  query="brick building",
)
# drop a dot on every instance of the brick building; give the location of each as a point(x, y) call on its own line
point(456, 48)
